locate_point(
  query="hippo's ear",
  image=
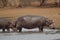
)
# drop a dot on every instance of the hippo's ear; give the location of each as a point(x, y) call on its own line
point(51, 21)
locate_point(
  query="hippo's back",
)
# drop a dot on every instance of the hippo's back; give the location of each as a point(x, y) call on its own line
point(31, 19)
point(4, 21)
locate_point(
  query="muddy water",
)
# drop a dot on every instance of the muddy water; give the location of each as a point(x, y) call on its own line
point(31, 34)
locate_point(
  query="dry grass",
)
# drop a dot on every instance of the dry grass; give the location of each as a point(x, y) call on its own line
point(52, 13)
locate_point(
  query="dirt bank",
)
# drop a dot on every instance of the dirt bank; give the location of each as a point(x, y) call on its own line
point(52, 13)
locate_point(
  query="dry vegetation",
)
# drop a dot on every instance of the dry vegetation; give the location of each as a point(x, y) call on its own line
point(52, 13)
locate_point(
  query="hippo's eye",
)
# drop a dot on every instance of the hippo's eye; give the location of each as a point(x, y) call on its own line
point(47, 23)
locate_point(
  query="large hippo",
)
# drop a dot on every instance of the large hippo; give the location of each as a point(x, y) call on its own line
point(32, 21)
point(6, 24)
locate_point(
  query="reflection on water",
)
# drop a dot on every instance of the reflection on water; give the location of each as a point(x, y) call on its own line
point(31, 34)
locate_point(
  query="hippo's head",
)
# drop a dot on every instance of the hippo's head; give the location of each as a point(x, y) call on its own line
point(12, 25)
point(49, 22)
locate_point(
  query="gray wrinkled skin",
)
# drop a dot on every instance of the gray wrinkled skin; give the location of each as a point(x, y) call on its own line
point(5, 24)
point(31, 21)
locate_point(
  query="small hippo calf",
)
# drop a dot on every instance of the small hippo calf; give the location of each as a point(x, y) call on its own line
point(6, 24)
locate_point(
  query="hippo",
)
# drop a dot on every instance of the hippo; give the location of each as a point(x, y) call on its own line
point(32, 21)
point(6, 24)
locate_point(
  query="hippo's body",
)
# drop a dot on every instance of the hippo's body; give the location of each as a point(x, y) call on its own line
point(5, 24)
point(30, 22)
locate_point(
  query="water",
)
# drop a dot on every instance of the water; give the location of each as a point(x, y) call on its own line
point(31, 34)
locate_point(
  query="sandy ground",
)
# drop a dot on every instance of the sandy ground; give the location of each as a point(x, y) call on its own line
point(52, 13)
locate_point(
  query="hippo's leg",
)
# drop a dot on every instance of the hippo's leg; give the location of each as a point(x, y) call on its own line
point(20, 29)
point(8, 30)
point(3, 29)
point(40, 29)
point(7, 27)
